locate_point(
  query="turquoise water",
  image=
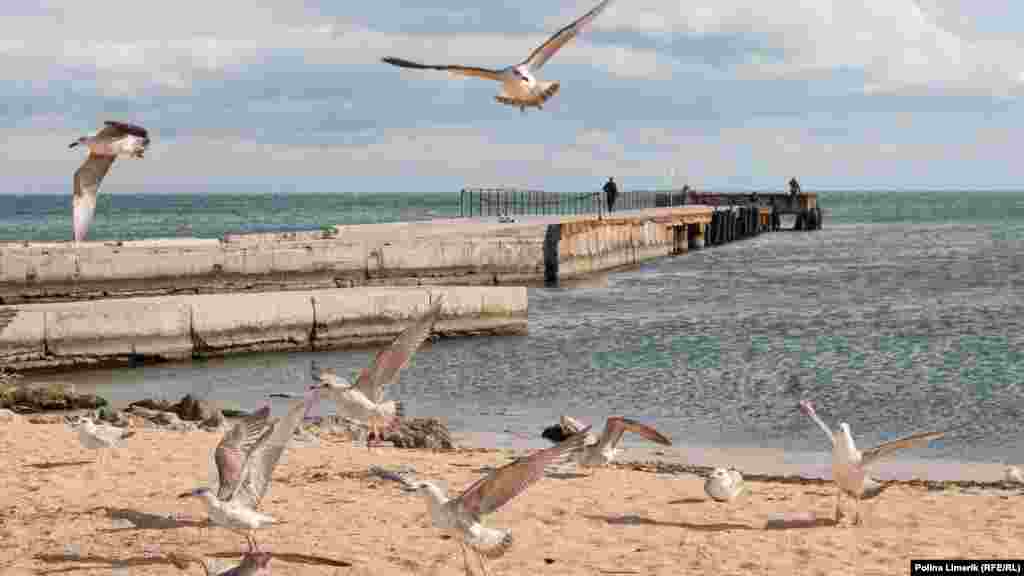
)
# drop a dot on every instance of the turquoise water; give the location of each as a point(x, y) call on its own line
point(904, 313)
point(128, 216)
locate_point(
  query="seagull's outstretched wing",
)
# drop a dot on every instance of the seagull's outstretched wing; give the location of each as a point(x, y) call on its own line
point(6, 317)
point(260, 464)
point(113, 129)
point(545, 51)
point(453, 69)
point(618, 425)
point(87, 184)
point(869, 456)
point(234, 448)
point(390, 361)
point(494, 490)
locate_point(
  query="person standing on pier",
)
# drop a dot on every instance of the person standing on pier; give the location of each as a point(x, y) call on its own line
point(794, 187)
point(611, 191)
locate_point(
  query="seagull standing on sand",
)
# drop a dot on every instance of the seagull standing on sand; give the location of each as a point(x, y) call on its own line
point(461, 516)
point(849, 465)
point(364, 401)
point(113, 140)
point(601, 451)
point(724, 485)
point(519, 86)
point(244, 460)
point(100, 437)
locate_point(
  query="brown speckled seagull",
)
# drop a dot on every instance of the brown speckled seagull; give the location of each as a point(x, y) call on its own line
point(113, 140)
point(601, 451)
point(461, 517)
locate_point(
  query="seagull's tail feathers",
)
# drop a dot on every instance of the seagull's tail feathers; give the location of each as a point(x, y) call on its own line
point(399, 409)
point(546, 90)
point(492, 543)
point(873, 488)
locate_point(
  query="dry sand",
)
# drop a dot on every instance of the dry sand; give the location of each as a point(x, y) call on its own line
point(615, 521)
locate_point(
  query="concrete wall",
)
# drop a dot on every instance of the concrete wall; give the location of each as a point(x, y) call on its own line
point(58, 335)
point(454, 251)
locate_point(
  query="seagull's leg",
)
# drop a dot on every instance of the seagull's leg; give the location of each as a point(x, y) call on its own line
point(483, 565)
point(252, 543)
point(465, 558)
point(839, 495)
point(856, 511)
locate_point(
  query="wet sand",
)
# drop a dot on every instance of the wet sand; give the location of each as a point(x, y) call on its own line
point(61, 514)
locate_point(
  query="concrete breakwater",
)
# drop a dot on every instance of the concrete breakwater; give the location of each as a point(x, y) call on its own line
point(146, 329)
point(463, 251)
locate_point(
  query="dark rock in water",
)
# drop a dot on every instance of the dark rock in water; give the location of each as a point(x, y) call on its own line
point(192, 408)
point(150, 404)
point(215, 420)
point(554, 433)
point(420, 433)
point(232, 413)
point(26, 399)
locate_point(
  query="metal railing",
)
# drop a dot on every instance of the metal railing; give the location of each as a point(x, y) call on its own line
point(518, 202)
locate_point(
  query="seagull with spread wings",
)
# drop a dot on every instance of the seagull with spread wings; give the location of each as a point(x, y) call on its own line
point(364, 400)
point(519, 85)
point(849, 465)
point(461, 517)
point(601, 451)
point(113, 140)
point(243, 462)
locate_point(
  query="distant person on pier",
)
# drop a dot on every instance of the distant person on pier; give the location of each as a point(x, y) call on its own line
point(685, 194)
point(794, 187)
point(611, 192)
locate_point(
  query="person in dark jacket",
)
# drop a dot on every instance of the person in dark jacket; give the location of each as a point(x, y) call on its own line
point(794, 187)
point(611, 192)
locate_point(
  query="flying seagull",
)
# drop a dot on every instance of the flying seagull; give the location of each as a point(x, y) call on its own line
point(244, 460)
point(724, 485)
point(519, 85)
point(113, 140)
point(364, 401)
point(461, 516)
point(849, 465)
point(601, 451)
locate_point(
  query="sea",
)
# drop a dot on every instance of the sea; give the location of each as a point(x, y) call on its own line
point(902, 314)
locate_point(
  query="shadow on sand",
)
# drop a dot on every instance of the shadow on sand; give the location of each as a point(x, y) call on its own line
point(292, 559)
point(633, 519)
point(52, 465)
point(147, 521)
point(688, 501)
point(92, 562)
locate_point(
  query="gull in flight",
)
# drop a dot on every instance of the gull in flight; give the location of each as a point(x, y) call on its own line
point(243, 462)
point(725, 485)
point(100, 437)
point(113, 140)
point(519, 85)
point(849, 465)
point(364, 400)
point(461, 517)
point(601, 451)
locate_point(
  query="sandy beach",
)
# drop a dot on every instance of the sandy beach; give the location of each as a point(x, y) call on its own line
point(61, 514)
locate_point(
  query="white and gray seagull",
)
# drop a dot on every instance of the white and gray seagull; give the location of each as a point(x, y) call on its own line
point(101, 437)
point(601, 451)
point(113, 140)
point(519, 85)
point(461, 517)
point(364, 400)
point(849, 465)
point(243, 462)
point(725, 485)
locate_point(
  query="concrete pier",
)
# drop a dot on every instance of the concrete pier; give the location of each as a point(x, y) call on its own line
point(151, 329)
point(462, 251)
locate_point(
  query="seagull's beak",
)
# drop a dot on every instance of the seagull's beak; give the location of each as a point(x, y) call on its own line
point(189, 493)
point(73, 144)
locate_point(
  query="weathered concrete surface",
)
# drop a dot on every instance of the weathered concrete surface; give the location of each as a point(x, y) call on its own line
point(151, 329)
point(458, 251)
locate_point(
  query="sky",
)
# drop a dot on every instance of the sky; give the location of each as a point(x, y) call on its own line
point(291, 96)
